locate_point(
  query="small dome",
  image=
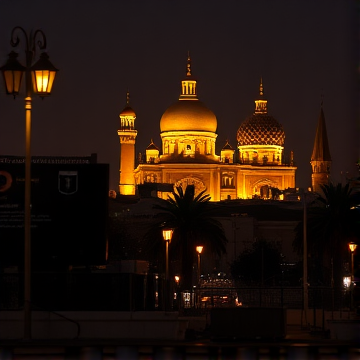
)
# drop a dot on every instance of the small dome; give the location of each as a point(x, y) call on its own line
point(188, 115)
point(260, 129)
point(128, 111)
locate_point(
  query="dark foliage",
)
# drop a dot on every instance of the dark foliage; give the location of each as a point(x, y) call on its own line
point(332, 222)
point(260, 265)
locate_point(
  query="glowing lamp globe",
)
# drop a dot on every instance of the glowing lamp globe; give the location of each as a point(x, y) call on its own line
point(352, 246)
point(167, 234)
point(12, 73)
point(43, 75)
point(199, 249)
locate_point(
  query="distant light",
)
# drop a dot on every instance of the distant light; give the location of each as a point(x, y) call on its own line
point(352, 246)
point(199, 249)
point(346, 281)
point(167, 234)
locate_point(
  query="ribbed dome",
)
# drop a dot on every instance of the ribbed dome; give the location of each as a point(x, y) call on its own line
point(188, 115)
point(260, 129)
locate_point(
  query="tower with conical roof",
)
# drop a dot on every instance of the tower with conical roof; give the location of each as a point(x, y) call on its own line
point(127, 135)
point(320, 158)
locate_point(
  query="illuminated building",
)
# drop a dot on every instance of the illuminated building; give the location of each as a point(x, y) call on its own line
point(320, 158)
point(187, 156)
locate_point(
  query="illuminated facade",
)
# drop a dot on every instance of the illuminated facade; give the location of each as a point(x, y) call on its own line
point(187, 156)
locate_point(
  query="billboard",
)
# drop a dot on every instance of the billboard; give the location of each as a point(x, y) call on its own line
point(69, 210)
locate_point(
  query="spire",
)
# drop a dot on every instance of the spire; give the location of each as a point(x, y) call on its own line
point(227, 145)
point(261, 104)
point(152, 146)
point(320, 158)
point(188, 86)
point(321, 150)
point(188, 65)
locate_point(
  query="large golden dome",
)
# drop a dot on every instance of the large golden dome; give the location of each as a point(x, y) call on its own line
point(188, 115)
point(260, 129)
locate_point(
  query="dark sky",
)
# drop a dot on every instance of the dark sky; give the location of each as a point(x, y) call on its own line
point(302, 49)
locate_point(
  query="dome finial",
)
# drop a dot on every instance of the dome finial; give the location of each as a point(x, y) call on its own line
point(188, 85)
point(261, 104)
point(127, 97)
point(261, 87)
point(188, 65)
point(322, 99)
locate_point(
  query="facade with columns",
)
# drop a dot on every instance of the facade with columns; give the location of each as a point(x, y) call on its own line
point(187, 153)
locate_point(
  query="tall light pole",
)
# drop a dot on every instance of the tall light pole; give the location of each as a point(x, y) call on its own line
point(167, 235)
point(305, 258)
point(39, 79)
point(352, 247)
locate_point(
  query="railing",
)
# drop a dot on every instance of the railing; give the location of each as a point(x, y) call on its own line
point(114, 291)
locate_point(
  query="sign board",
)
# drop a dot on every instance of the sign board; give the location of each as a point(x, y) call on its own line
point(69, 210)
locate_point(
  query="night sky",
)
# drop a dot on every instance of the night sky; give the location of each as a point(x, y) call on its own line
point(301, 49)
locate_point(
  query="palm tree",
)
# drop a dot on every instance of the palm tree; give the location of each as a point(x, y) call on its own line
point(331, 223)
point(190, 217)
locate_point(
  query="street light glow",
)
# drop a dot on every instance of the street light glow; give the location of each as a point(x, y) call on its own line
point(352, 246)
point(167, 234)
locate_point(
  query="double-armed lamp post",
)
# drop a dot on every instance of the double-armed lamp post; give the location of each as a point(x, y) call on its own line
point(39, 79)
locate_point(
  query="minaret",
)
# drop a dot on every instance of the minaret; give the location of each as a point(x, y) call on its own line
point(320, 158)
point(127, 135)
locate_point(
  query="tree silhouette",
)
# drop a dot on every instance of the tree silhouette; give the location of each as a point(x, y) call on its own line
point(191, 218)
point(332, 223)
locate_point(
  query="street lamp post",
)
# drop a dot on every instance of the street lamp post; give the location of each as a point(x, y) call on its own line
point(167, 235)
point(39, 79)
point(199, 250)
point(305, 258)
point(352, 248)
